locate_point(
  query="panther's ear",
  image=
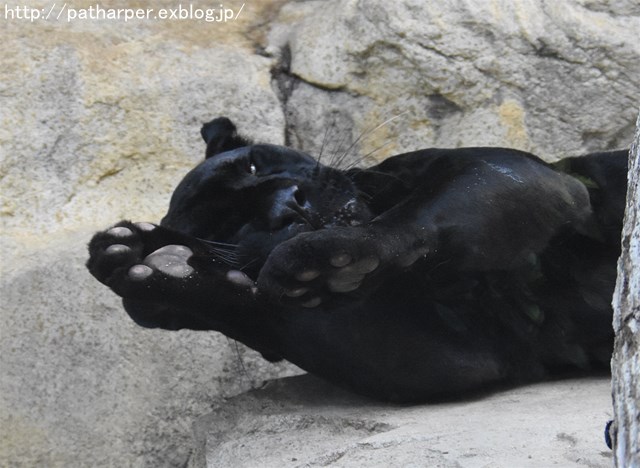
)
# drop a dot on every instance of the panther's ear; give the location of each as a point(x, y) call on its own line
point(220, 135)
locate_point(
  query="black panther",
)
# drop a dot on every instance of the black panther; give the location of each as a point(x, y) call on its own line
point(432, 274)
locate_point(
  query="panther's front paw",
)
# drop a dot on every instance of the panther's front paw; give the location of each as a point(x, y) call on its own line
point(127, 258)
point(142, 260)
point(314, 267)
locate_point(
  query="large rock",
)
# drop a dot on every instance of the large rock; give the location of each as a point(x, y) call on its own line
point(555, 78)
point(301, 422)
point(100, 119)
point(84, 386)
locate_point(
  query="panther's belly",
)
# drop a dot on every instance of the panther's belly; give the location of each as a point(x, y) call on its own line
point(391, 354)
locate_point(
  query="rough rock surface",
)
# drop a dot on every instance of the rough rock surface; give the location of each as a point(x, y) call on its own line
point(84, 386)
point(626, 323)
point(554, 78)
point(100, 118)
point(301, 421)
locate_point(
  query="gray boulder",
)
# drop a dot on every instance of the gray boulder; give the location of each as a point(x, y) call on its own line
point(554, 78)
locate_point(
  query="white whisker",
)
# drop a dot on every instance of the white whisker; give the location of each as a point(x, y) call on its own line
point(364, 134)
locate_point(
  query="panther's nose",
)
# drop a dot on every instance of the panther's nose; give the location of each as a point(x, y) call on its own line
point(288, 206)
point(291, 197)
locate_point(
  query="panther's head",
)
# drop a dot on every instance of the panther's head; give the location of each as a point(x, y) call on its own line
point(255, 197)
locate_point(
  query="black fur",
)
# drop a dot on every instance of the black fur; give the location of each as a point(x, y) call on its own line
point(434, 273)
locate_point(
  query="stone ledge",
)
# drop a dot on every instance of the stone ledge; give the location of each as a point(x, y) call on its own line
point(302, 421)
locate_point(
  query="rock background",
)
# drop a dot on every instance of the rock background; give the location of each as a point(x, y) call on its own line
point(554, 78)
point(100, 118)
